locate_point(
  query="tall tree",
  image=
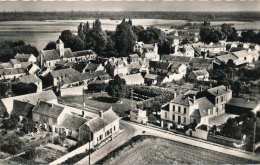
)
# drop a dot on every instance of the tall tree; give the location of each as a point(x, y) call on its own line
point(124, 37)
point(81, 32)
point(51, 45)
point(3, 88)
point(117, 88)
point(67, 38)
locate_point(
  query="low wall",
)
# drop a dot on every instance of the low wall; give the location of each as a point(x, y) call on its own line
point(78, 90)
point(200, 134)
point(223, 140)
point(72, 153)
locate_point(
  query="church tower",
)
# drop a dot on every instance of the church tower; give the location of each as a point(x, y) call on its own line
point(60, 48)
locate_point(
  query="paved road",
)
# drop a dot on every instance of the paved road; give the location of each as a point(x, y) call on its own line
point(128, 132)
point(194, 142)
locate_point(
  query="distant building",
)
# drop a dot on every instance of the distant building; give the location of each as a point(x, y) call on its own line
point(12, 73)
point(25, 58)
point(199, 75)
point(177, 59)
point(139, 116)
point(133, 79)
point(239, 106)
point(116, 66)
point(201, 63)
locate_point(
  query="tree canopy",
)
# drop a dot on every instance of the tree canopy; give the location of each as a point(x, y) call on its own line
point(20, 88)
point(117, 88)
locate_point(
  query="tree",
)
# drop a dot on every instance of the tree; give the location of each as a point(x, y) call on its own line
point(67, 38)
point(247, 36)
point(11, 144)
point(78, 44)
point(51, 45)
point(152, 35)
point(137, 30)
point(26, 49)
point(3, 88)
point(117, 88)
point(156, 107)
point(124, 37)
point(81, 32)
point(23, 88)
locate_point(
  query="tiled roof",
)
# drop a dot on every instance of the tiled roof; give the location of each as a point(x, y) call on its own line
point(204, 105)
point(72, 122)
point(83, 53)
point(226, 57)
point(236, 49)
point(243, 103)
point(176, 65)
point(29, 79)
point(12, 71)
point(6, 65)
point(148, 46)
point(173, 58)
point(30, 98)
point(50, 55)
point(240, 62)
point(133, 78)
point(110, 116)
point(240, 54)
point(159, 65)
point(92, 66)
point(201, 60)
point(63, 72)
point(21, 108)
point(200, 72)
point(96, 124)
point(151, 76)
point(61, 62)
point(182, 100)
point(15, 61)
point(22, 56)
point(48, 109)
point(93, 74)
point(68, 53)
point(219, 89)
point(117, 62)
point(25, 64)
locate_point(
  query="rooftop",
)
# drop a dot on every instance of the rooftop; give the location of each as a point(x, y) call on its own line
point(29, 79)
point(48, 109)
point(219, 90)
point(244, 103)
point(72, 122)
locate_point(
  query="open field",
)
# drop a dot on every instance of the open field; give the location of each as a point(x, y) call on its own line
point(153, 150)
point(101, 101)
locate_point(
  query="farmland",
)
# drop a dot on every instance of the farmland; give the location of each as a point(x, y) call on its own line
point(153, 150)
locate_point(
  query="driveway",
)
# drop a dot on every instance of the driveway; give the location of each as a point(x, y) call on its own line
point(128, 132)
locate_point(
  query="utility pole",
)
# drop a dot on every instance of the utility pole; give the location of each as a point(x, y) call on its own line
point(89, 137)
point(132, 98)
point(83, 98)
point(254, 135)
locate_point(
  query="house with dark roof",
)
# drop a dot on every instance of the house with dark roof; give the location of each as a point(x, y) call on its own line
point(100, 127)
point(22, 109)
point(85, 55)
point(159, 67)
point(25, 58)
point(12, 73)
point(201, 63)
point(238, 106)
point(32, 79)
point(116, 66)
point(177, 59)
point(32, 98)
point(56, 76)
point(199, 75)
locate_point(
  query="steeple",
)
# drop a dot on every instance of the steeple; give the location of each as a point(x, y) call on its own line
point(60, 48)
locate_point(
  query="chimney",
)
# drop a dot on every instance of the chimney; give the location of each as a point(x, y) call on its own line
point(101, 114)
point(217, 91)
point(175, 94)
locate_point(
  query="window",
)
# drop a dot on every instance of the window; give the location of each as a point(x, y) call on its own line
point(184, 120)
point(217, 101)
point(100, 137)
point(179, 109)
point(173, 117)
point(184, 110)
point(222, 98)
point(173, 108)
point(114, 128)
point(165, 115)
point(211, 111)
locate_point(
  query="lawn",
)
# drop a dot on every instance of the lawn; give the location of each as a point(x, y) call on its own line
point(153, 150)
point(101, 101)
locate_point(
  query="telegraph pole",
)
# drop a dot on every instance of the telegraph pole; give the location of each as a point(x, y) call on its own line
point(132, 98)
point(83, 98)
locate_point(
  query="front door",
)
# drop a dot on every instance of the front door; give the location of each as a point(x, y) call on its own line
point(179, 119)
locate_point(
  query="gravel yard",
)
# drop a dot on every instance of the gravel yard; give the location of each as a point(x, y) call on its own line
point(152, 150)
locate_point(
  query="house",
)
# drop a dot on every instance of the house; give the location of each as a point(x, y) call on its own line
point(138, 47)
point(159, 67)
point(239, 106)
point(15, 63)
point(133, 79)
point(142, 48)
point(243, 55)
point(133, 57)
point(178, 68)
point(56, 76)
point(92, 67)
point(25, 58)
point(12, 73)
point(151, 56)
point(139, 116)
point(151, 79)
point(180, 109)
point(212, 48)
point(32, 98)
point(100, 127)
point(187, 50)
point(177, 59)
point(201, 63)
point(199, 75)
point(136, 66)
point(32, 69)
point(86, 55)
point(254, 46)
point(116, 66)
point(22, 109)
point(32, 79)
point(219, 96)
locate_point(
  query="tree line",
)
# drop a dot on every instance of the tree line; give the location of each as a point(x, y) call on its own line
point(119, 15)
point(116, 43)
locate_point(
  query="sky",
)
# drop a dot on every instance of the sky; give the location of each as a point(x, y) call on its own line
point(129, 5)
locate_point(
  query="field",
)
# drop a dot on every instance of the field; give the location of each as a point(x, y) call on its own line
point(101, 101)
point(39, 33)
point(153, 150)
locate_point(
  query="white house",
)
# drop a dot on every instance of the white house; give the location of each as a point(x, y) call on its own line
point(25, 58)
point(133, 79)
point(200, 75)
point(139, 116)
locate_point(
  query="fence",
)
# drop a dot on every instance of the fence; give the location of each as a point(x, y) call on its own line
point(72, 153)
point(223, 140)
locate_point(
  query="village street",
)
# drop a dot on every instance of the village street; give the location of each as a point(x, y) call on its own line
point(130, 130)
